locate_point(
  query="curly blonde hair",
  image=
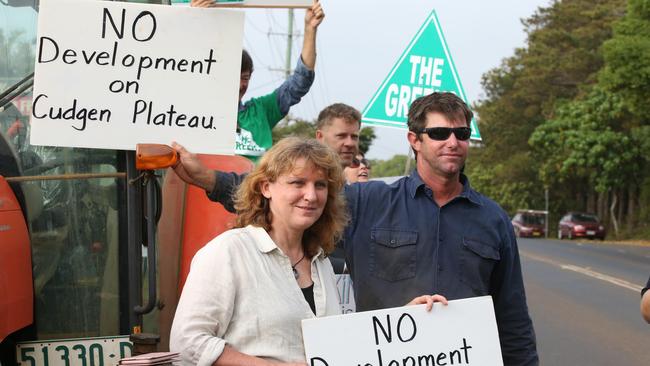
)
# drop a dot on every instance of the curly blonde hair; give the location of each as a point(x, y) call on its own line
point(253, 208)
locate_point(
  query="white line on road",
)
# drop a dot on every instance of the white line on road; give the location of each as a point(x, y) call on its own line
point(603, 277)
point(585, 271)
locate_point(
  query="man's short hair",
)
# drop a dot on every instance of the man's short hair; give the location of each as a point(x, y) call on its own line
point(447, 104)
point(338, 110)
point(246, 62)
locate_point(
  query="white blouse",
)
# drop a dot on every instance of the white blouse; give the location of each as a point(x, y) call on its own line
point(241, 291)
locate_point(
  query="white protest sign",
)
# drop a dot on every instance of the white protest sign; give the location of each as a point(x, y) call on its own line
point(112, 74)
point(462, 333)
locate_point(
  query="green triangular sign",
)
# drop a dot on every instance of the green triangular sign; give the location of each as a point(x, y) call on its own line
point(425, 66)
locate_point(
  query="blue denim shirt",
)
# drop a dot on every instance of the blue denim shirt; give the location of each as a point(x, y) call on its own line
point(400, 244)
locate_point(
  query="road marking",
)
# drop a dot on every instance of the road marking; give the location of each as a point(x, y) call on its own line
point(585, 271)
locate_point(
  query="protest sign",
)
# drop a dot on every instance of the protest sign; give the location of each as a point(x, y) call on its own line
point(113, 74)
point(462, 333)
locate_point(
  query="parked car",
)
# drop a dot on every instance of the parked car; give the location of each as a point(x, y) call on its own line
point(529, 223)
point(580, 225)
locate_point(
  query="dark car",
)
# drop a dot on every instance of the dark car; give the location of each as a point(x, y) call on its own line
point(529, 223)
point(580, 225)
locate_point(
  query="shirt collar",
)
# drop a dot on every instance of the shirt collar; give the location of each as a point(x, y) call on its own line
point(266, 245)
point(415, 183)
point(262, 240)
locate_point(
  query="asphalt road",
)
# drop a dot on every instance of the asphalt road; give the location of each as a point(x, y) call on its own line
point(584, 301)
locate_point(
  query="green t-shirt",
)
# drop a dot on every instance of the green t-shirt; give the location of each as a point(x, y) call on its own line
point(255, 121)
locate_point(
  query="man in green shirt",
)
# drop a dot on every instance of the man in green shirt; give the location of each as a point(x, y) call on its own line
point(257, 116)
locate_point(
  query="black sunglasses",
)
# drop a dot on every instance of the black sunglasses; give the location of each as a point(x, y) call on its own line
point(443, 133)
point(357, 163)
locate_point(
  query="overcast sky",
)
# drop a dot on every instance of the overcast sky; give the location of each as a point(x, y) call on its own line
point(360, 41)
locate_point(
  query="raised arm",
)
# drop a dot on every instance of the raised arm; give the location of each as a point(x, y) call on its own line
point(296, 86)
point(313, 18)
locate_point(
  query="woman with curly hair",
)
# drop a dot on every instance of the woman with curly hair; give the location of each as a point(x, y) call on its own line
point(249, 288)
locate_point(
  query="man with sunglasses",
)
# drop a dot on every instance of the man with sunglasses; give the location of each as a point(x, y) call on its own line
point(431, 233)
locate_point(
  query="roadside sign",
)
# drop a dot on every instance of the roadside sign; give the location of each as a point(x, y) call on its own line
point(426, 66)
point(462, 333)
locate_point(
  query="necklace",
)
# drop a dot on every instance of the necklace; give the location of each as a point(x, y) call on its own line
point(293, 267)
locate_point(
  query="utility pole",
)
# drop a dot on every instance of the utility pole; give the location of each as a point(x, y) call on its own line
point(287, 62)
point(546, 209)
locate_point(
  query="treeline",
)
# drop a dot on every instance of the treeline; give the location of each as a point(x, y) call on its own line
point(569, 112)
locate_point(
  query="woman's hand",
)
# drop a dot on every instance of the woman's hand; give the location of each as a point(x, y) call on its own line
point(429, 300)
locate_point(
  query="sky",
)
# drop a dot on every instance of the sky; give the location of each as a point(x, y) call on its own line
point(360, 41)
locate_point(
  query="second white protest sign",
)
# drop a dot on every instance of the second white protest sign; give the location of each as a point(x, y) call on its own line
point(462, 333)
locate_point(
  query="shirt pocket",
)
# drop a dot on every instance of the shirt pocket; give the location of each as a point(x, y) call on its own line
point(393, 254)
point(478, 260)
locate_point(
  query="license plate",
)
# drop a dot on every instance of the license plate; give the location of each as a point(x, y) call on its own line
point(537, 233)
point(591, 232)
point(99, 351)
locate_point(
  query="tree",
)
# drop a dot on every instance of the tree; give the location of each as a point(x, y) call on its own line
point(627, 58)
point(294, 127)
point(390, 168)
point(560, 61)
point(366, 136)
point(587, 141)
point(627, 74)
